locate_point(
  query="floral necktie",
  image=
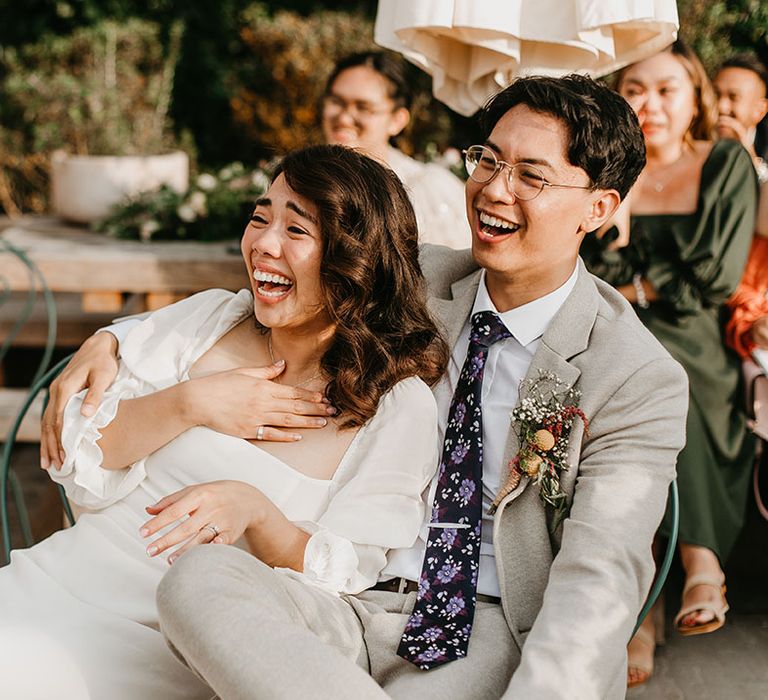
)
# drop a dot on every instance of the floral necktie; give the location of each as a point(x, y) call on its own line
point(440, 624)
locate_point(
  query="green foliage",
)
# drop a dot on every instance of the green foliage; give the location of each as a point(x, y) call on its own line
point(718, 29)
point(22, 25)
point(104, 89)
point(280, 76)
point(215, 207)
point(282, 70)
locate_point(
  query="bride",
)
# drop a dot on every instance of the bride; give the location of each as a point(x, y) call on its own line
point(332, 343)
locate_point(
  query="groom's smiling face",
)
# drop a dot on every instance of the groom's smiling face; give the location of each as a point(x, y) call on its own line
point(535, 249)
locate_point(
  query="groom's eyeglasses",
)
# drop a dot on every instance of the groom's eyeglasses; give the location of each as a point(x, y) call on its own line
point(525, 181)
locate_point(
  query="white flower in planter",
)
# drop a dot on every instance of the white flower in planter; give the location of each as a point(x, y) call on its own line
point(197, 201)
point(148, 228)
point(186, 213)
point(206, 182)
point(260, 180)
point(232, 170)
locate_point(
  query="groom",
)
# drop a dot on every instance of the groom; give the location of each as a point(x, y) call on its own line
point(561, 419)
point(529, 607)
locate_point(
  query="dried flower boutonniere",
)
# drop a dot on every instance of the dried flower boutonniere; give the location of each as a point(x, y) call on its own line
point(543, 421)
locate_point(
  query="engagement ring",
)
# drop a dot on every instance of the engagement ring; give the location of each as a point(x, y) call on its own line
point(260, 433)
point(216, 532)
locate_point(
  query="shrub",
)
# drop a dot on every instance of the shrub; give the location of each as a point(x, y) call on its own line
point(281, 74)
point(280, 78)
point(215, 207)
point(102, 90)
point(724, 27)
point(23, 178)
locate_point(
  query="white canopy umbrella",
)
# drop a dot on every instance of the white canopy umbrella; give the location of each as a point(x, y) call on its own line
point(473, 48)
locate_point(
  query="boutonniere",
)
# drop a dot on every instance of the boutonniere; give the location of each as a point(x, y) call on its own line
point(543, 421)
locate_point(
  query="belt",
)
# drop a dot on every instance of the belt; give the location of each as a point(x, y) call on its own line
point(403, 585)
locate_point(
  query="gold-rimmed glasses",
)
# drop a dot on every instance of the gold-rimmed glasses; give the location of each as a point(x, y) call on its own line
point(333, 105)
point(525, 181)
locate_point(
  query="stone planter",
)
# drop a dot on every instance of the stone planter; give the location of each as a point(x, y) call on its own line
point(85, 188)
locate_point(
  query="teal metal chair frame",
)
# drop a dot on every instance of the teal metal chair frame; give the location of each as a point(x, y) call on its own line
point(35, 279)
point(6, 474)
point(661, 576)
point(8, 477)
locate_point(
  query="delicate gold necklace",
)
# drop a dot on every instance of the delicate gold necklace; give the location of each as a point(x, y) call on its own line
point(272, 358)
point(659, 185)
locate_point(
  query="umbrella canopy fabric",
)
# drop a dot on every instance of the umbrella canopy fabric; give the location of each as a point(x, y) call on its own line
point(473, 48)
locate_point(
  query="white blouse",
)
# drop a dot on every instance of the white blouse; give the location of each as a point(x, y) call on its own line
point(372, 503)
point(438, 200)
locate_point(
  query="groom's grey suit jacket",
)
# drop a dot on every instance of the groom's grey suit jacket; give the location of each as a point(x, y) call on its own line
point(572, 599)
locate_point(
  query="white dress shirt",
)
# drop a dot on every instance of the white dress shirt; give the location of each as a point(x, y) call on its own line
point(506, 366)
point(438, 200)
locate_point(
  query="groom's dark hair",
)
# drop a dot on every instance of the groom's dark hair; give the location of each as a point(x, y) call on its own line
point(604, 136)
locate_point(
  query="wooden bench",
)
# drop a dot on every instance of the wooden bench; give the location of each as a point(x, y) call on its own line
point(95, 278)
point(11, 401)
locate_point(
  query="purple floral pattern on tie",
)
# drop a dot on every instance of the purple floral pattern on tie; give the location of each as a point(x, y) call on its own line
point(439, 627)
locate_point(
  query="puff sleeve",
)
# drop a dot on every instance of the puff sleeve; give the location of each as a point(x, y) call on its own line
point(155, 354)
point(705, 265)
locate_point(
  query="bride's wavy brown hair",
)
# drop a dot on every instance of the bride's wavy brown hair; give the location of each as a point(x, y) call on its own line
point(370, 276)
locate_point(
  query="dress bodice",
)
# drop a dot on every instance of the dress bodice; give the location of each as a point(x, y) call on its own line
point(372, 504)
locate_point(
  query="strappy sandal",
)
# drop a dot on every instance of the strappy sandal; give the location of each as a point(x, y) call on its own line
point(646, 640)
point(711, 606)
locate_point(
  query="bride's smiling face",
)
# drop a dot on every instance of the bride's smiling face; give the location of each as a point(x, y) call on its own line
point(282, 249)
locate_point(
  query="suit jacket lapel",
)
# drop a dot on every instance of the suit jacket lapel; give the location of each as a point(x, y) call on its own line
point(521, 538)
point(566, 336)
point(452, 314)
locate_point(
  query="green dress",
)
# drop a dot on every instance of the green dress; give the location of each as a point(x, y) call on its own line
point(695, 261)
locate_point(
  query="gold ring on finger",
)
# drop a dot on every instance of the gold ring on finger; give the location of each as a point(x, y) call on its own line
point(210, 526)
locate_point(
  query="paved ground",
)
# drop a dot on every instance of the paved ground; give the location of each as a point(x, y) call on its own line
point(731, 664)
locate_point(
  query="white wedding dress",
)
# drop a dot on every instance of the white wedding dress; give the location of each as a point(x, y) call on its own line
point(91, 588)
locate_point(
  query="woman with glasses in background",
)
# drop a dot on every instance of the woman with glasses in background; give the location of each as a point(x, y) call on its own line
point(366, 104)
point(692, 215)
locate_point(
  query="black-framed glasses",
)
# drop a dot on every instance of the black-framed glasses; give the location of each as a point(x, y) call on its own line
point(525, 181)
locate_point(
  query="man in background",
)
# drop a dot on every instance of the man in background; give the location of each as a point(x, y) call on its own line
point(741, 84)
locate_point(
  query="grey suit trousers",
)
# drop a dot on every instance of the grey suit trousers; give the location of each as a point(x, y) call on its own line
point(252, 632)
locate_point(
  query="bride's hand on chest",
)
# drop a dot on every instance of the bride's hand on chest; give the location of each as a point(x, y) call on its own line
point(240, 401)
point(295, 424)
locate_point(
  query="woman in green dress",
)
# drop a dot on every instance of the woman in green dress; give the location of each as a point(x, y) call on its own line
point(678, 258)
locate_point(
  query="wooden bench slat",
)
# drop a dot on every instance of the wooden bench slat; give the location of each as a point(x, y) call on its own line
point(11, 401)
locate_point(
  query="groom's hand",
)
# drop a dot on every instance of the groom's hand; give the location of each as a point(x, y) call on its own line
point(94, 367)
